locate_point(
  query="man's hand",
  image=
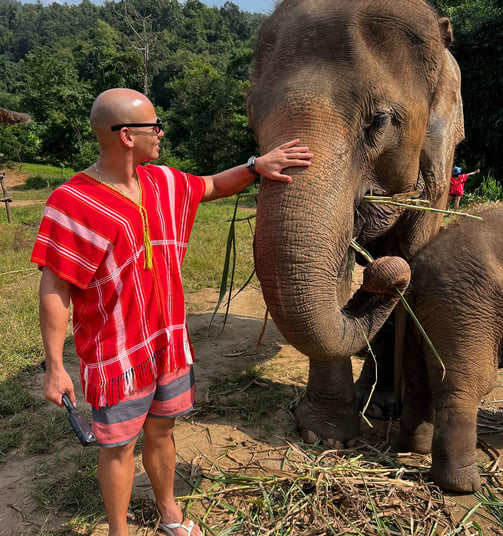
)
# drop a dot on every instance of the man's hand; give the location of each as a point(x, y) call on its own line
point(55, 384)
point(270, 165)
point(287, 155)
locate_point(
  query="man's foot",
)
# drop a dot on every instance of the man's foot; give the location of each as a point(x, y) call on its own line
point(185, 528)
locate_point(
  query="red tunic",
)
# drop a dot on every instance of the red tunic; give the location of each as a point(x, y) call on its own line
point(458, 185)
point(129, 322)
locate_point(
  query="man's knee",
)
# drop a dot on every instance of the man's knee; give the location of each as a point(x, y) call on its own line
point(122, 453)
point(155, 427)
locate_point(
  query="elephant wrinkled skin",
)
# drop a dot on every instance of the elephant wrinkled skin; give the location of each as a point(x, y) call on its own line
point(457, 295)
point(371, 88)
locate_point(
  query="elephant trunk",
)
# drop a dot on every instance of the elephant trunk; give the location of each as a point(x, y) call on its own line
point(304, 262)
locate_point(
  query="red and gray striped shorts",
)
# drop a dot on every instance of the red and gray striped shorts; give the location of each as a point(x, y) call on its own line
point(171, 395)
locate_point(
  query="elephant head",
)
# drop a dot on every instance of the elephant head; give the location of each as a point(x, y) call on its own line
point(371, 88)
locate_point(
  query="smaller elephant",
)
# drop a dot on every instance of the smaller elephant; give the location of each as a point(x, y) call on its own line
point(456, 293)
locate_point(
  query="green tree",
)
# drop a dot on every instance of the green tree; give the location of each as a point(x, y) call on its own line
point(206, 120)
point(20, 143)
point(478, 33)
point(59, 100)
point(104, 59)
point(55, 59)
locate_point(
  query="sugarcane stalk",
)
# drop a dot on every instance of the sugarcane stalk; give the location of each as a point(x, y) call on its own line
point(407, 307)
point(411, 204)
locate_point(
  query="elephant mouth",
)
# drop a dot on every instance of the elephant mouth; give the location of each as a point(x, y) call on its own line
point(372, 218)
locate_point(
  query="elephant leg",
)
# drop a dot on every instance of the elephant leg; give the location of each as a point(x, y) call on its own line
point(417, 415)
point(328, 410)
point(470, 362)
point(454, 463)
point(382, 403)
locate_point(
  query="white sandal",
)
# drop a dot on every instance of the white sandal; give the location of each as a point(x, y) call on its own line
point(168, 527)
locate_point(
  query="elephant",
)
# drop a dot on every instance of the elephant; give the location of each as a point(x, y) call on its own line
point(456, 293)
point(371, 87)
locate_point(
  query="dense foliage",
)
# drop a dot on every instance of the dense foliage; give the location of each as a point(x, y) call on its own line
point(478, 34)
point(190, 59)
point(193, 61)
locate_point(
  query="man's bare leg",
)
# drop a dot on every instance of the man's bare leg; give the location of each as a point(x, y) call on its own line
point(159, 459)
point(116, 471)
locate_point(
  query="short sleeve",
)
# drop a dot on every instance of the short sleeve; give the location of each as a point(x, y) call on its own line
point(66, 243)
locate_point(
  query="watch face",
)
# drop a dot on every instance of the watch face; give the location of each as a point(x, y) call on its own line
point(250, 165)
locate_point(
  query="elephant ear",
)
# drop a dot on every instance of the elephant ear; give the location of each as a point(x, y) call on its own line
point(446, 124)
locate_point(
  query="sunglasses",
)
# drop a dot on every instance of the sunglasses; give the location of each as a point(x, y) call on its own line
point(157, 126)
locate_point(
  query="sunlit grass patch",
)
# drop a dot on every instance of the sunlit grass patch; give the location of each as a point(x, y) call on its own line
point(19, 329)
point(69, 484)
point(15, 398)
point(202, 267)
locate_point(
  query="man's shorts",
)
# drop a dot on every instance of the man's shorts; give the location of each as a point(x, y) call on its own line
point(171, 395)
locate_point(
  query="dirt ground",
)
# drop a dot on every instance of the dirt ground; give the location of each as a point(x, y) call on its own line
point(207, 436)
point(212, 435)
point(13, 177)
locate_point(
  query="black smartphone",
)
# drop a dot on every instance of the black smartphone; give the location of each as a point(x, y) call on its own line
point(79, 423)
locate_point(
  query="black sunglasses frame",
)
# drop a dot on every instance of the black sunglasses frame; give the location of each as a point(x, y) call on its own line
point(157, 125)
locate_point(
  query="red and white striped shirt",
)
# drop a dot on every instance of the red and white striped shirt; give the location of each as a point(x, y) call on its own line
point(129, 322)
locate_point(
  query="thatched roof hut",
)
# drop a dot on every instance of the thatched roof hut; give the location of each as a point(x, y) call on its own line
point(7, 117)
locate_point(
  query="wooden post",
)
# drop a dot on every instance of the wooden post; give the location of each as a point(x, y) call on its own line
point(6, 199)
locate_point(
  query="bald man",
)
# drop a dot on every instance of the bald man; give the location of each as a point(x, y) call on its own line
point(111, 242)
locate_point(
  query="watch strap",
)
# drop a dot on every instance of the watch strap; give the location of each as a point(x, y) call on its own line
point(250, 166)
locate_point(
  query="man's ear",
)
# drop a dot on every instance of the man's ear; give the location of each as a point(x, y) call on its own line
point(126, 137)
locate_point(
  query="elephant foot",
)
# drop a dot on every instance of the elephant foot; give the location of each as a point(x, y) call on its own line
point(337, 429)
point(453, 476)
point(381, 405)
point(419, 439)
point(453, 455)
point(381, 373)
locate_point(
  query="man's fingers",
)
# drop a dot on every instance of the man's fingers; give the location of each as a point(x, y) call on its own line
point(289, 144)
point(298, 150)
point(281, 178)
point(298, 162)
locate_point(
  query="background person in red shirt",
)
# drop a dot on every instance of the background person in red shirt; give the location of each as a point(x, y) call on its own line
point(457, 188)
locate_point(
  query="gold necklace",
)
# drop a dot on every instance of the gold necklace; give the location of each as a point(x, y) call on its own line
point(113, 185)
point(143, 214)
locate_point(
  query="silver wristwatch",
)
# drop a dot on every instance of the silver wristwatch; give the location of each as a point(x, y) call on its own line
point(250, 166)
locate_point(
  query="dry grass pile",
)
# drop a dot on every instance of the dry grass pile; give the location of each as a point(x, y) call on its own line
point(304, 491)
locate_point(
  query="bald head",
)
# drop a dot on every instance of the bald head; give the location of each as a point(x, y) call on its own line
point(120, 105)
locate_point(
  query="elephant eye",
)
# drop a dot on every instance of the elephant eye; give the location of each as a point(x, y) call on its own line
point(381, 119)
point(375, 127)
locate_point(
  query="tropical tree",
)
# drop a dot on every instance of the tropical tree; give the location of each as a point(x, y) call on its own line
point(58, 100)
point(206, 121)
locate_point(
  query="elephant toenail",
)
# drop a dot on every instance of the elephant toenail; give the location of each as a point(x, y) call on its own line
point(309, 437)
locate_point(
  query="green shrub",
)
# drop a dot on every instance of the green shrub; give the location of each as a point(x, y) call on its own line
point(38, 182)
point(490, 189)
